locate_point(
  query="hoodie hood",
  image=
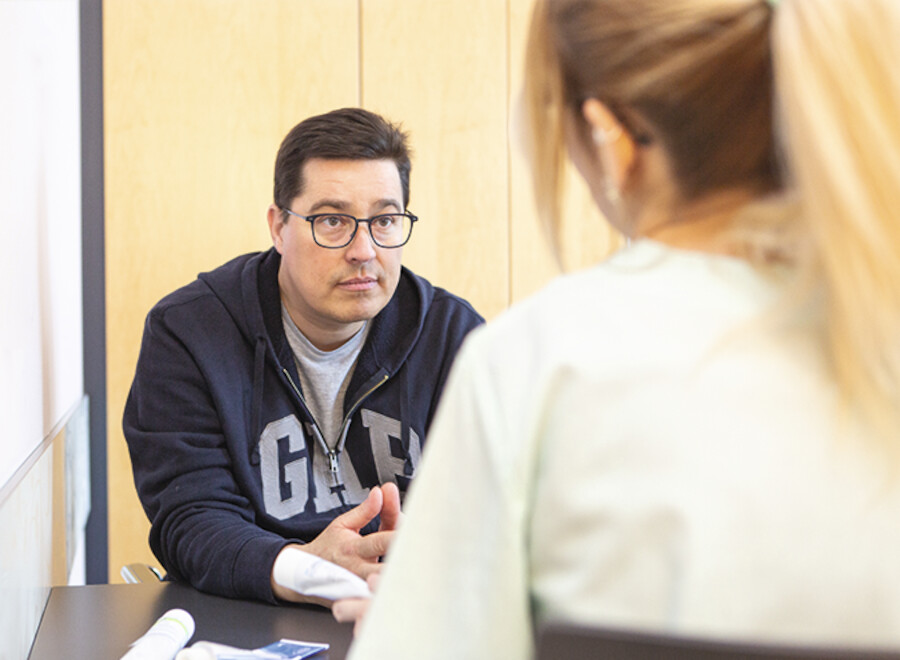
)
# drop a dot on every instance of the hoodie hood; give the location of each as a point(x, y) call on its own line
point(248, 289)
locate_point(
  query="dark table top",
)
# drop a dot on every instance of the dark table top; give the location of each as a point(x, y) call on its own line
point(99, 622)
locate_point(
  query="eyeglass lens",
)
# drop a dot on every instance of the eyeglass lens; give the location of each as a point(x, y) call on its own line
point(389, 230)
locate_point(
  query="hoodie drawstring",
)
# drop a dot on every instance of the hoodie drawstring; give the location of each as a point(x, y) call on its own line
point(259, 364)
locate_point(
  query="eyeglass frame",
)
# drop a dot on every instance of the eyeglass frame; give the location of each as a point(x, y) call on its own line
point(313, 217)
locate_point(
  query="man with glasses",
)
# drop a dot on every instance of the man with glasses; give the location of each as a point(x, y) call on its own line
point(280, 401)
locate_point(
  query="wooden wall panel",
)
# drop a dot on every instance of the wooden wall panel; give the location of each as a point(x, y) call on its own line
point(441, 69)
point(198, 95)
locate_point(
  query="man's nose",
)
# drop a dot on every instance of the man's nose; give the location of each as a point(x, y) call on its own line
point(362, 247)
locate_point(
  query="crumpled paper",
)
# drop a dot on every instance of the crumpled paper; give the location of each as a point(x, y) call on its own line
point(313, 576)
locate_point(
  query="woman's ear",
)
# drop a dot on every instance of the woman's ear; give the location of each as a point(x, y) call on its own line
point(614, 145)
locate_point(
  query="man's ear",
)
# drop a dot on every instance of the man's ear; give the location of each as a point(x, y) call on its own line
point(275, 216)
point(614, 145)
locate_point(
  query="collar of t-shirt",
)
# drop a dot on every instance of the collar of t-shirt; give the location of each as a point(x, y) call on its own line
point(324, 375)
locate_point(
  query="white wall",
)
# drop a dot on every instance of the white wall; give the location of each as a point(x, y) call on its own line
point(41, 364)
point(40, 223)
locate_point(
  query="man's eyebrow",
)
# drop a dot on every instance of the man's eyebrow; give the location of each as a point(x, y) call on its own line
point(388, 202)
point(341, 206)
point(337, 204)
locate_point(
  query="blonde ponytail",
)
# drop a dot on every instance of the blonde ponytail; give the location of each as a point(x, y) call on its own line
point(838, 101)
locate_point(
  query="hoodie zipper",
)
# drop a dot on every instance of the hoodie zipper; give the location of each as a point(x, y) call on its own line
point(342, 436)
point(332, 453)
point(332, 456)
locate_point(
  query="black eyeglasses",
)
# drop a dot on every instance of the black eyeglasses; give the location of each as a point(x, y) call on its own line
point(337, 230)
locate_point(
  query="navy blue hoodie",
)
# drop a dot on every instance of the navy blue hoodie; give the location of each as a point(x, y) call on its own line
point(225, 455)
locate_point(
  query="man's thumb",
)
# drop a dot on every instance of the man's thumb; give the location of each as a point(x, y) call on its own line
point(362, 514)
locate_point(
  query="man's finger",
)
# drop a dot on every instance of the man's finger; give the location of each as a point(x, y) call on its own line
point(390, 509)
point(375, 545)
point(360, 516)
point(366, 569)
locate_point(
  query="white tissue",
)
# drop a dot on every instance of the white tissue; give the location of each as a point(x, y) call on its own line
point(165, 637)
point(310, 575)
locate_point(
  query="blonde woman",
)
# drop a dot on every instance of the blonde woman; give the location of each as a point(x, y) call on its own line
point(699, 435)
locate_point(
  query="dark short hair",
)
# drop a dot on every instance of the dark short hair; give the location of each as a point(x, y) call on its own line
point(348, 133)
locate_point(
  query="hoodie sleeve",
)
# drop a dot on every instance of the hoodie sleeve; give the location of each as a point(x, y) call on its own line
point(202, 527)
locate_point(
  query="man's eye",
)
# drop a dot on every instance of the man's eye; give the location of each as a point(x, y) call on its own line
point(331, 221)
point(385, 222)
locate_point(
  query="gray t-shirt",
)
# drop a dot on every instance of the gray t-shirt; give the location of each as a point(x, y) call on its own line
point(324, 375)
